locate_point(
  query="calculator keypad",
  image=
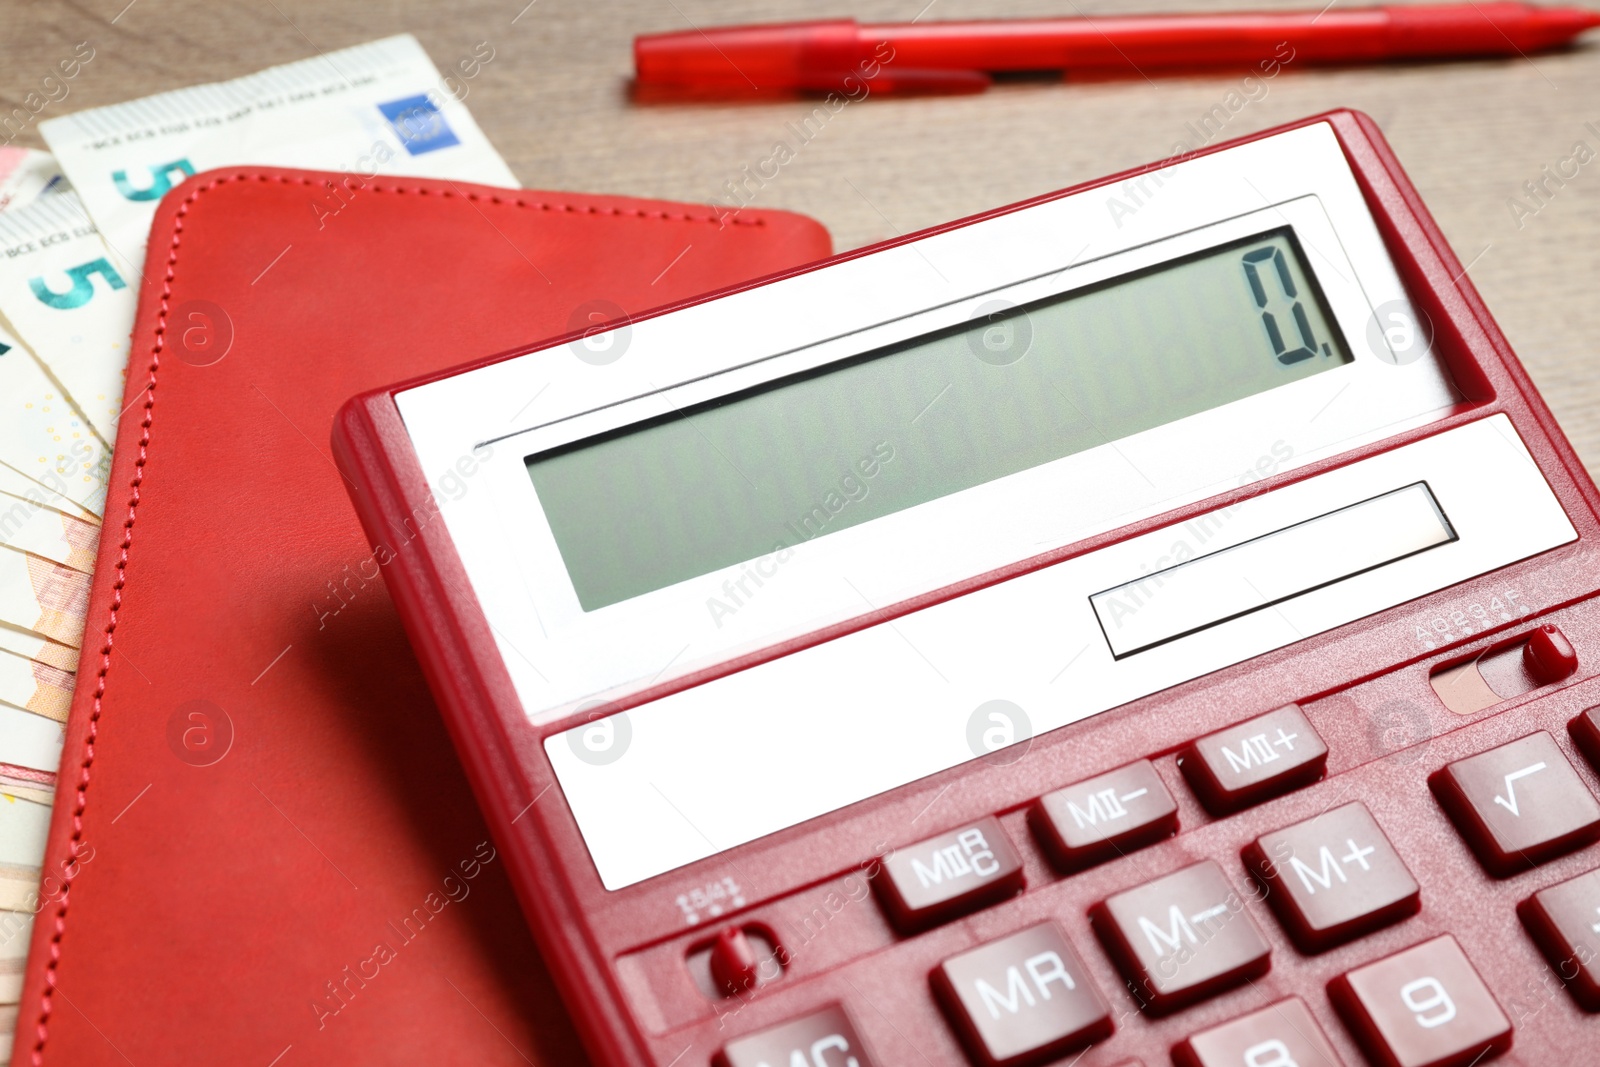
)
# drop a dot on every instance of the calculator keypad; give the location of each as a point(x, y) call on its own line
point(1333, 878)
point(1279, 1035)
point(956, 872)
point(1018, 997)
point(1423, 1007)
point(1105, 816)
point(1565, 922)
point(1182, 938)
point(1022, 999)
point(1254, 760)
point(1518, 805)
point(824, 1038)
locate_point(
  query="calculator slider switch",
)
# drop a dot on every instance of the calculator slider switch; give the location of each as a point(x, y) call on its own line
point(954, 873)
point(734, 964)
point(1549, 656)
point(1254, 760)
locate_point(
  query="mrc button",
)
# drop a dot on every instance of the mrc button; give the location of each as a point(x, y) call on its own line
point(1181, 938)
point(949, 875)
point(1254, 760)
point(823, 1038)
point(1333, 877)
point(1518, 805)
point(1022, 999)
point(1106, 816)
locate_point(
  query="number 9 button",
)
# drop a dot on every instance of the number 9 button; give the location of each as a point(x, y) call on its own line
point(1423, 1007)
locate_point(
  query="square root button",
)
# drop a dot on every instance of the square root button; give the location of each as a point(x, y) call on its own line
point(949, 875)
point(1280, 1035)
point(1424, 1007)
point(1022, 999)
point(1254, 760)
point(1181, 938)
point(1518, 805)
point(1333, 878)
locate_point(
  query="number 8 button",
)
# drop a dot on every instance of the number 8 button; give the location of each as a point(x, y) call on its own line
point(1424, 1007)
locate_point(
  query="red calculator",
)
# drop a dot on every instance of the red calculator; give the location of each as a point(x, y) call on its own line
point(1149, 624)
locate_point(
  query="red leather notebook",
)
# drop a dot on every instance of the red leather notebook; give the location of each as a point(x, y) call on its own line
point(263, 849)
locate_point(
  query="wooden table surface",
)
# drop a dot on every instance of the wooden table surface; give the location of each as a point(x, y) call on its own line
point(554, 99)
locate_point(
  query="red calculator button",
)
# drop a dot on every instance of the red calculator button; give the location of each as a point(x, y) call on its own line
point(1280, 1035)
point(1565, 921)
point(1255, 760)
point(1424, 1007)
point(824, 1038)
point(1585, 730)
point(1333, 878)
point(1182, 937)
point(1022, 999)
point(1105, 816)
point(1518, 805)
point(949, 875)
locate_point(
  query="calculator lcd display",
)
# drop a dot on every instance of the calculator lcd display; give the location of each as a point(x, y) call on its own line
point(761, 471)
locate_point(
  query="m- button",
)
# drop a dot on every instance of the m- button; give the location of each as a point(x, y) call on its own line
point(1254, 760)
point(1518, 805)
point(949, 875)
point(1181, 938)
point(1333, 877)
point(823, 1038)
point(1022, 999)
point(1105, 816)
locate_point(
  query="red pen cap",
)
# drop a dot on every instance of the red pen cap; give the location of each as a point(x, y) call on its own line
point(788, 55)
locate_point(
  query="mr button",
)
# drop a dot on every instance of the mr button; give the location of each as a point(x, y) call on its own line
point(1518, 805)
point(1022, 999)
point(824, 1038)
point(1333, 877)
point(949, 875)
point(1181, 938)
point(1254, 760)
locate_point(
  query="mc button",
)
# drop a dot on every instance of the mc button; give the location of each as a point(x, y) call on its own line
point(823, 1038)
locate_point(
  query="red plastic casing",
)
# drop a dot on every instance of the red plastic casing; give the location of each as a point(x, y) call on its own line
point(624, 958)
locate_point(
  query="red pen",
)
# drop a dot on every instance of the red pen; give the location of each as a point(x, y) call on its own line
point(957, 56)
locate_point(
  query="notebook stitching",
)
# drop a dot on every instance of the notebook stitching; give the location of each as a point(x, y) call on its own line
point(80, 802)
